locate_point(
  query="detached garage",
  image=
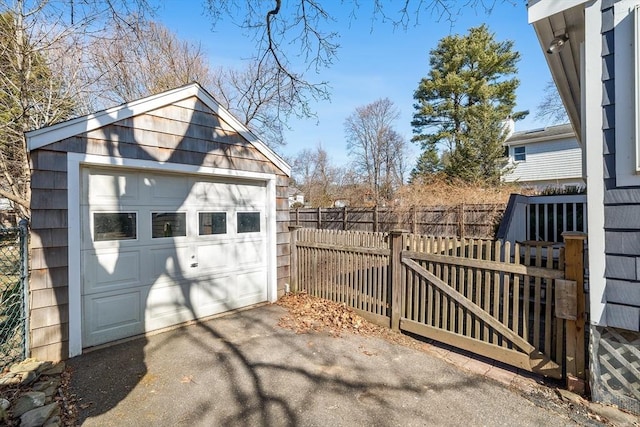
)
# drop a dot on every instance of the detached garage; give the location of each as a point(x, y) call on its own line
point(149, 215)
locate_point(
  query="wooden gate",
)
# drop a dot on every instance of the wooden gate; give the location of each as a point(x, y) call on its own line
point(510, 303)
point(478, 296)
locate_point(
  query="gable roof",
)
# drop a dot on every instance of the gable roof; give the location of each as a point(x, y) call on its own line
point(549, 133)
point(40, 137)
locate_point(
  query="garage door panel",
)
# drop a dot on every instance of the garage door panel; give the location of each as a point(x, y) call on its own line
point(212, 295)
point(249, 251)
point(171, 263)
point(248, 195)
point(163, 301)
point(110, 270)
point(168, 189)
point(112, 316)
point(211, 192)
point(213, 257)
point(250, 287)
point(112, 189)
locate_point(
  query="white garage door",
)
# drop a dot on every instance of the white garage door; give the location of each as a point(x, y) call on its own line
point(161, 249)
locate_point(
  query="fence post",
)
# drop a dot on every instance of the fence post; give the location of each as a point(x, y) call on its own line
point(293, 257)
point(344, 218)
point(575, 349)
point(375, 218)
point(413, 220)
point(319, 218)
point(395, 273)
point(461, 220)
point(298, 216)
point(24, 278)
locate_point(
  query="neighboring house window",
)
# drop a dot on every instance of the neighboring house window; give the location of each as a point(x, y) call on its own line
point(519, 154)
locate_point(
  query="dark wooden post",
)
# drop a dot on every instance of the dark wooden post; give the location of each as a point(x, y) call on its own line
point(319, 218)
point(293, 257)
point(413, 220)
point(461, 221)
point(575, 351)
point(395, 273)
point(375, 218)
point(344, 218)
point(298, 216)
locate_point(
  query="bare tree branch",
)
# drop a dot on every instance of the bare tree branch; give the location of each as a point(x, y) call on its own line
point(376, 149)
point(301, 29)
point(551, 109)
point(39, 85)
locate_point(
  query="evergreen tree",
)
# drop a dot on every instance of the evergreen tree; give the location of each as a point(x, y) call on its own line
point(462, 104)
point(428, 164)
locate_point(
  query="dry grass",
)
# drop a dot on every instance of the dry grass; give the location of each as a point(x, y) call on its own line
point(439, 192)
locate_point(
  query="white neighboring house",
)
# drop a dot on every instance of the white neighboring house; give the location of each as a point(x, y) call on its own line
point(295, 196)
point(545, 157)
point(7, 213)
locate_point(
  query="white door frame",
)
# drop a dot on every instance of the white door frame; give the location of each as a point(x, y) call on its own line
point(75, 161)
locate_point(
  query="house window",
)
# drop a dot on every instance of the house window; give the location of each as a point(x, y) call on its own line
point(519, 154)
point(168, 224)
point(212, 223)
point(248, 222)
point(114, 226)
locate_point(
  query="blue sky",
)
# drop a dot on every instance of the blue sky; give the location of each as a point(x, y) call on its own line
point(374, 61)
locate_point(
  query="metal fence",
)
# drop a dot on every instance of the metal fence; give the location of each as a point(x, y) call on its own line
point(14, 273)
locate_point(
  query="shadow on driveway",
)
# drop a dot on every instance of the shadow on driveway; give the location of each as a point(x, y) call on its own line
point(243, 369)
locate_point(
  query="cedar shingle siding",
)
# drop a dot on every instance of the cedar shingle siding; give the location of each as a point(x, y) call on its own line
point(186, 132)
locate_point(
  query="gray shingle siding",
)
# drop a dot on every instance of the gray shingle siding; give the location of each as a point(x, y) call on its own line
point(623, 316)
point(609, 136)
point(622, 205)
point(620, 267)
point(622, 292)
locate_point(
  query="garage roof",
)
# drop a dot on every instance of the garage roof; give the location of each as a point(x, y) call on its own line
point(40, 137)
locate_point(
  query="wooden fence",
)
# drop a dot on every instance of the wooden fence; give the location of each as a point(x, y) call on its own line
point(462, 220)
point(521, 305)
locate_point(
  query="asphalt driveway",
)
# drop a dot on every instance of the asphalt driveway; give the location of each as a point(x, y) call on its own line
point(243, 369)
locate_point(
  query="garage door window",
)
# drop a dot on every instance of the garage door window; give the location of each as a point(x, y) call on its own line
point(168, 224)
point(114, 226)
point(212, 223)
point(248, 222)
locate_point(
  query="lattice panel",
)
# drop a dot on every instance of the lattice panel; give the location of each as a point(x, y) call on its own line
point(619, 365)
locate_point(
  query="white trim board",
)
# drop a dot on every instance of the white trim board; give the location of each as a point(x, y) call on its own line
point(76, 161)
point(545, 8)
point(592, 123)
point(40, 137)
